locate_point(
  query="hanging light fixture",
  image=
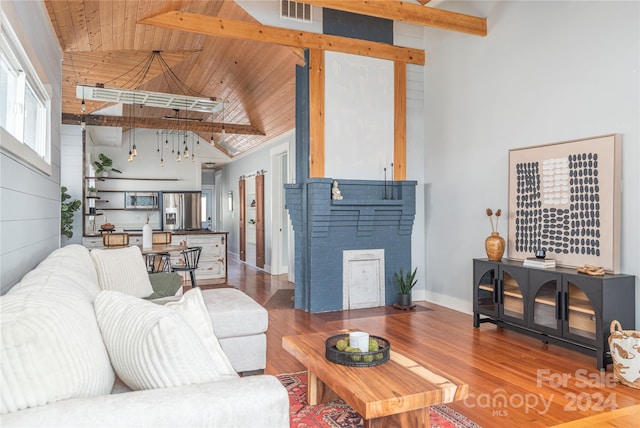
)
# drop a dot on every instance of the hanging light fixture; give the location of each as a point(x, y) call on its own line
point(83, 109)
point(212, 127)
point(193, 152)
point(189, 99)
point(223, 133)
point(131, 133)
point(185, 149)
point(162, 152)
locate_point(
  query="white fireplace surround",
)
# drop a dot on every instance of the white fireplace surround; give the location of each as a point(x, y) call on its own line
point(363, 279)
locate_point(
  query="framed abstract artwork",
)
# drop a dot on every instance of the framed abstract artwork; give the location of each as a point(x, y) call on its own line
point(564, 198)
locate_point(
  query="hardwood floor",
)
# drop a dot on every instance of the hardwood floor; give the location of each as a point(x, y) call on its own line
point(514, 380)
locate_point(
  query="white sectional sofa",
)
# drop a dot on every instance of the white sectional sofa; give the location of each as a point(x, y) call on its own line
point(57, 360)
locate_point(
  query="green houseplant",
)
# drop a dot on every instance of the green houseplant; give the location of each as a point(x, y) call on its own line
point(66, 210)
point(405, 283)
point(104, 165)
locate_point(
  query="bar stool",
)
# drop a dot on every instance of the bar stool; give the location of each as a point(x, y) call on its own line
point(190, 258)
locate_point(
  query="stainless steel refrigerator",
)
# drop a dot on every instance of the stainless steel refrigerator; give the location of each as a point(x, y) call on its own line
point(182, 210)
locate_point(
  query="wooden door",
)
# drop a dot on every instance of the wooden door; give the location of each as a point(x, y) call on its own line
point(243, 230)
point(260, 221)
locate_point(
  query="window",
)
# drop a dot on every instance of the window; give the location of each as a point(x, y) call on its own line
point(24, 104)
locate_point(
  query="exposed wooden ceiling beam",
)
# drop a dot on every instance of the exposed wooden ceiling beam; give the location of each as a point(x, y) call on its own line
point(221, 27)
point(155, 123)
point(409, 12)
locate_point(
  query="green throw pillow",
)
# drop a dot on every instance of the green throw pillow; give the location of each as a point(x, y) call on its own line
point(164, 284)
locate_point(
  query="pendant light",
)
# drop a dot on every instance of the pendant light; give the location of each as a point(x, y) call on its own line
point(83, 109)
point(162, 152)
point(223, 133)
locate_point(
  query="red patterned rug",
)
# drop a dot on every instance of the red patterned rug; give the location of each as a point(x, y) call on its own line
point(338, 414)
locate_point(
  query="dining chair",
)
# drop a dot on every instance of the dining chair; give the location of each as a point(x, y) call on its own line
point(157, 262)
point(110, 240)
point(188, 263)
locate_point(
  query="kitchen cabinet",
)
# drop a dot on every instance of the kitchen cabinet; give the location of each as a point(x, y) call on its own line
point(92, 242)
point(557, 305)
point(213, 257)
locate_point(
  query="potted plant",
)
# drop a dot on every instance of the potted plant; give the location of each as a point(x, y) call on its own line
point(405, 283)
point(66, 210)
point(92, 191)
point(104, 165)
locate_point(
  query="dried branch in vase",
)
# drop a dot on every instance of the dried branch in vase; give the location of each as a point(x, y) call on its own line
point(490, 215)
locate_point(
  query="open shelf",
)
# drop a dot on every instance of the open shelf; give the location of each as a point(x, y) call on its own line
point(486, 287)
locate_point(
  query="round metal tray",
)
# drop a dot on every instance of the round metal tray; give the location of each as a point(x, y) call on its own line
point(357, 359)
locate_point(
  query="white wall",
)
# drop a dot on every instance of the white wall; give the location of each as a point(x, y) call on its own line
point(547, 72)
point(358, 117)
point(71, 174)
point(30, 199)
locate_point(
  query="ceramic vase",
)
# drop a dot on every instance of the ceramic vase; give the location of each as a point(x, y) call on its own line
point(147, 236)
point(494, 245)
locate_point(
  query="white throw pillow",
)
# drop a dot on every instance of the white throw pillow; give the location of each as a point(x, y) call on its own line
point(151, 346)
point(51, 347)
point(122, 269)
point(192, 307)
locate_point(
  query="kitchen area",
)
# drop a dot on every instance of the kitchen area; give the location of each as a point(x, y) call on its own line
point(177, 197)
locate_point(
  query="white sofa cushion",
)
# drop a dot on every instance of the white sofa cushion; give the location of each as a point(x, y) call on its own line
point(122, 269)
point(71, 262)
point(192, 308)
point(151, 346)
point(51, 346)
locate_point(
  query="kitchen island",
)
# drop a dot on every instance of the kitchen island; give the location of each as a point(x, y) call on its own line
point(212, 266)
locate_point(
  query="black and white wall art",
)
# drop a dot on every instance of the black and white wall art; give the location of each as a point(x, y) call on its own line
point(564, 198)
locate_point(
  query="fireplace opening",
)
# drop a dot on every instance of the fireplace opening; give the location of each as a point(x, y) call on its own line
point(363, 279)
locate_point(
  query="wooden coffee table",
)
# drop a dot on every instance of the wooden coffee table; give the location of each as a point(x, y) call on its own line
point(397, 393)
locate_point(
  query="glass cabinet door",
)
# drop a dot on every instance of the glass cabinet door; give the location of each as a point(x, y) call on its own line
point(486, 300)
point(580, 313)
point(545, 307)
point(512, 296)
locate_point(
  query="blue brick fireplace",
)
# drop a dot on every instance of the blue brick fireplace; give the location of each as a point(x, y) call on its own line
point(366, 218)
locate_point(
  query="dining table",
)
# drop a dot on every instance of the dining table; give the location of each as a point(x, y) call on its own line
point(163, 248)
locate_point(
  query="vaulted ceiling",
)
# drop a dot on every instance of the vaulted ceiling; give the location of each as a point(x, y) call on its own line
point(104, 42)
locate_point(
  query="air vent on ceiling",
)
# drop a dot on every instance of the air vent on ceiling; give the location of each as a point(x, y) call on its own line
point(294, 10)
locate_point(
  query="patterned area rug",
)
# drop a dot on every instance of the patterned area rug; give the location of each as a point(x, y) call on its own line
point(337, 414)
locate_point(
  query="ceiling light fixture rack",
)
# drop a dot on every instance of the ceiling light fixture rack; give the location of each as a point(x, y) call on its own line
point(185, 101)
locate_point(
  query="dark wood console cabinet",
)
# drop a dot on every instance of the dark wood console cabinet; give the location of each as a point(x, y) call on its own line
point(557, 305)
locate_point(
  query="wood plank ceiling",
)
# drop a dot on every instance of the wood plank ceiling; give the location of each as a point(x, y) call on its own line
point(105, 41)
point(102, 41)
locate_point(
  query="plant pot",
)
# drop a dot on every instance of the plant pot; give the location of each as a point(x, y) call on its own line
point(404, 299)
point(494, 246)
point(105, 173)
